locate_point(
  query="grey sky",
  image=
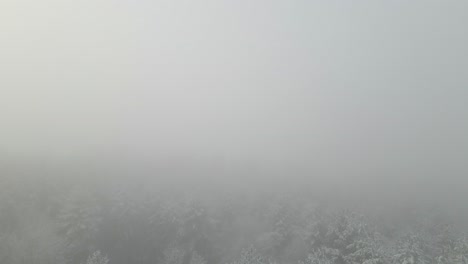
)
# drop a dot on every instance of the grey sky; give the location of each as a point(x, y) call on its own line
point(343, 87)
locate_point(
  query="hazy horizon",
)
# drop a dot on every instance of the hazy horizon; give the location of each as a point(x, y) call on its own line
point(368, 97)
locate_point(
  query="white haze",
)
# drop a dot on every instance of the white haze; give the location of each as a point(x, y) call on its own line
point(359, 93)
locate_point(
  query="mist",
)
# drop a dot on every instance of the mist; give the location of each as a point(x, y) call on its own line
point(360, 106)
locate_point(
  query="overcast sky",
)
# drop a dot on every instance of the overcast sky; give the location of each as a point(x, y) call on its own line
point(350, 87)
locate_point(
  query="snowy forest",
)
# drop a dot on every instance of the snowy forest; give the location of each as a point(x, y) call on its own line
point(83, 222)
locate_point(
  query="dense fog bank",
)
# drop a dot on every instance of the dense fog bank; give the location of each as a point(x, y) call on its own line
point(233, 132)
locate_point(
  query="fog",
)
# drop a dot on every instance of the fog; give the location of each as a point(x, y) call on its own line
point(360, 104)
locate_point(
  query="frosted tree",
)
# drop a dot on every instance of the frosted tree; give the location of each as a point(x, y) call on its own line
point(251, 256)
point(97, 258)
point(366, 252)
point(197, 259)
point(411, 249)
point(345, 237)
point(173, 255)
point(458, 254)
point(321, 256)
point(35, 242)
point(79, 220)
